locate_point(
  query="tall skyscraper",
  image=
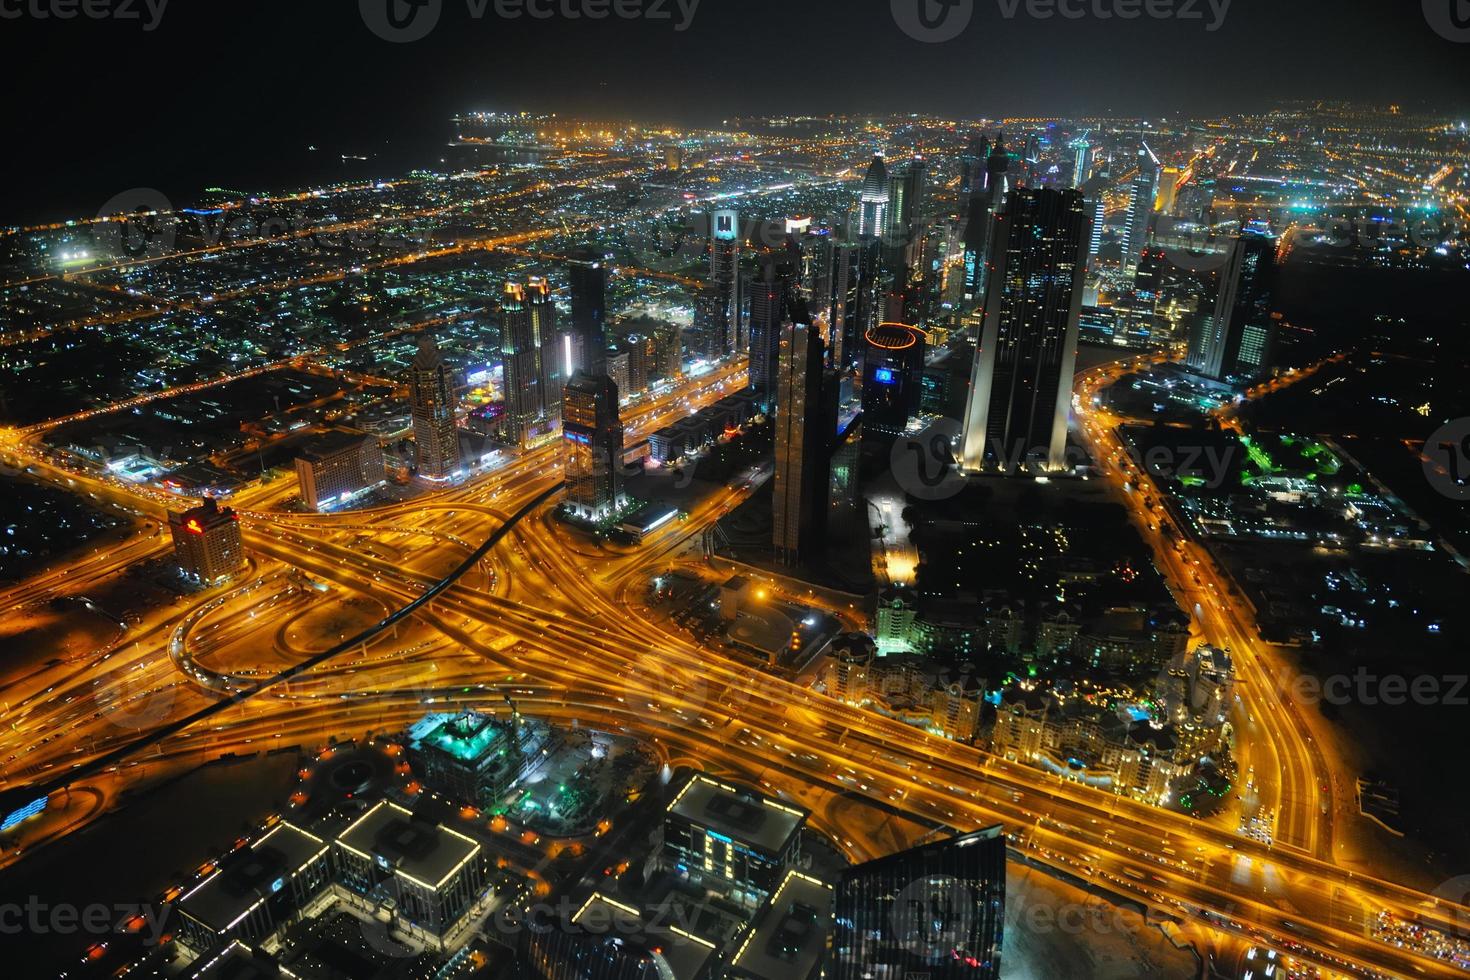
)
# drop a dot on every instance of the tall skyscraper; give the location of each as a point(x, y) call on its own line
point(431, 403)
point(972, 170)
point(1235, 341)
point(728, 327)
point(1168, 190)
point(588, 279)
point(873, 200)
point(935, 911)
point(1099, 215)
point(1021, 384)
point(551, 349)
point(592, 436)
point(893, 380)
point(770, 304)
point(841, 288)
point(520, 356)
point(1140, 207)
point(1081, 159)
point(806, 427)
point(983, 207)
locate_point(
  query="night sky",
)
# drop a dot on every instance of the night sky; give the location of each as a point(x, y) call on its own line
point(232, 92)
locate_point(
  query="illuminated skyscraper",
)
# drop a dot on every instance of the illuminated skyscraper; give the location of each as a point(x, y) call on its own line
point(588, 279)
point(1140, 207)
point(972, 170)
point(592, 435)
point(1099, 215)
point(727, 326)
point(207, 542)
point(893, 380)
point(551, 348)
point(806, 427)
point(1168, 190)
point(1235, 341)
point(1081, 159)
point(770, 304)
point(935, 911)
point(520, 356)
point(1021, 384)
point(431, 403)
point(983, 207)
point(873, 200)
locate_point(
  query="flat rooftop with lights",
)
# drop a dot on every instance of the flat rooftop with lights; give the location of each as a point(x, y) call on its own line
point(245, 880)
point(788, 937)
point(685, 954)
point(747, 817)
point(426, 852)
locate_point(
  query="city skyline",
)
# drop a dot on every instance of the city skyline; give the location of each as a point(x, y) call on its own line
point(677, 519)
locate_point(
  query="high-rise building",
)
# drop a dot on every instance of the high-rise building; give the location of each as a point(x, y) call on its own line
point(674, 157)
point(981, 219)
point(207, 541)
point(1099, 215)
point(934, 911)
point(770, 305)
point(806, 426)
point(551, 349)
point(1235, 341)
point(431, 403)
point(588, 280)
point(1081, 160)
point(339, 466)
point(728, 326)
point(1021, 383)
point(1140, 207)
point(519, 353)
point(972, 170)
point(1168, 190)
point(893, 380)
point(592, 435)
point(873, 200)
point(905, 199)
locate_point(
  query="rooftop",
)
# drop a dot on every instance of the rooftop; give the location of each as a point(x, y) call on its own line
point(789, 934)
point(425, 853)
point(247, 879)
point(745, 816)
point(683, 953)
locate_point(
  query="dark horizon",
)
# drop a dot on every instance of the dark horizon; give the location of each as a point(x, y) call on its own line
point(233, 94)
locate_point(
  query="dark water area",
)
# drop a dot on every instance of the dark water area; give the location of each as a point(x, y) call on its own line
point(132, 855)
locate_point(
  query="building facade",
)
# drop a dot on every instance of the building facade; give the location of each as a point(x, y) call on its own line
point(431, 404)
point(1021, 386)
point(207, 542)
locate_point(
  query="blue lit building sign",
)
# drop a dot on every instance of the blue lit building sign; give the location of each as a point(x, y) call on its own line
point(884, 376)
point(23, 814)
